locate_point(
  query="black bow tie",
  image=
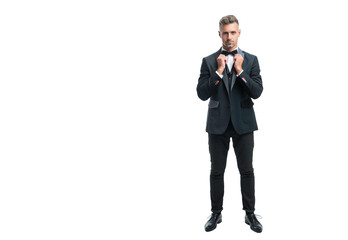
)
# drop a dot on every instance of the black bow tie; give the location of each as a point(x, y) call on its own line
point(228, 53)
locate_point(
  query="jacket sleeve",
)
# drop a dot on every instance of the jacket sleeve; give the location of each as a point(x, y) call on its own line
point(253, 84)
point(207, 82)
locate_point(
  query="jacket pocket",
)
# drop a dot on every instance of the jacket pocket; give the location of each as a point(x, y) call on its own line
point(248, 103)
point(213, 103)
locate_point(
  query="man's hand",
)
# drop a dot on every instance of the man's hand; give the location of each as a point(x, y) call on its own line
point(221, 61)
point(238, 61)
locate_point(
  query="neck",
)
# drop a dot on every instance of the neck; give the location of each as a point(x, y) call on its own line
point(229, 50)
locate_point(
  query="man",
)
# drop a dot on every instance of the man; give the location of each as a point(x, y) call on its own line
point(230, 78)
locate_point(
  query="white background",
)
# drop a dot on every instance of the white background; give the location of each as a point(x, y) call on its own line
point(102, 133)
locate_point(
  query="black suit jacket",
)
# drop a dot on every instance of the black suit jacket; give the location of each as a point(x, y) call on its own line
point(225, 104)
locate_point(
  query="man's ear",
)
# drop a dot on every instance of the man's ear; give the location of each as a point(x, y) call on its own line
point(219, 34)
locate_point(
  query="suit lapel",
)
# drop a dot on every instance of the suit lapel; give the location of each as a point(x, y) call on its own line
point(225, 79)
point(245, 61)
point(234, 77)
point(244, 66)
point(239, 51)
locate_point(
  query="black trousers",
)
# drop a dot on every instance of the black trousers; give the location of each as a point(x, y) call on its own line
point(243, 147)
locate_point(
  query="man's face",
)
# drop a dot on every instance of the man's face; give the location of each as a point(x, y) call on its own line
point(229, 35)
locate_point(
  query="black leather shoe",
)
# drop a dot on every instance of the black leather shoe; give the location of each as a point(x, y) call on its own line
point(255, 225)
point(215, 218)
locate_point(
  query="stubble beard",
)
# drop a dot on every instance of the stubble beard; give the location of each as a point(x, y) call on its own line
point(229, 46)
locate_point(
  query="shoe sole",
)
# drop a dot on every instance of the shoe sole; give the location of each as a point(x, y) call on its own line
point(258, 231)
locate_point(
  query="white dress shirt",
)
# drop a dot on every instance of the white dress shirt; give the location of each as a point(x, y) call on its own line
point(230, 61)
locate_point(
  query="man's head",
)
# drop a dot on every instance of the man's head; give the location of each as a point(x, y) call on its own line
point(229, 32)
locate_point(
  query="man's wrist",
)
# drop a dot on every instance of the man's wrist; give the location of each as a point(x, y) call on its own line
point(239, 72)
point(220, 71)
point(219, 74)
